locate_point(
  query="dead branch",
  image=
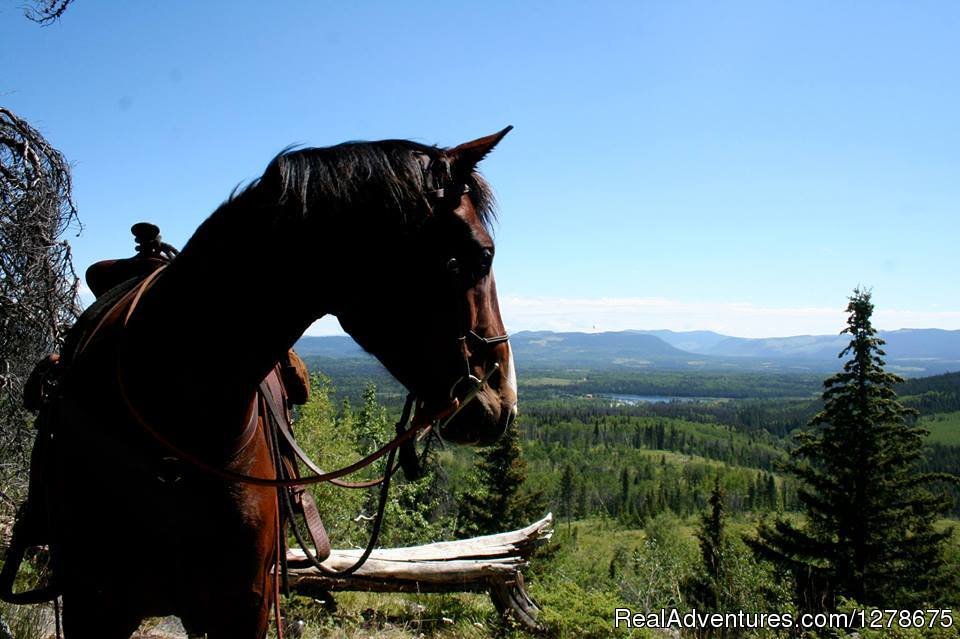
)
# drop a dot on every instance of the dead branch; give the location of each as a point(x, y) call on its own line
point(46, 12)
point(38, 284)
point(491, 563)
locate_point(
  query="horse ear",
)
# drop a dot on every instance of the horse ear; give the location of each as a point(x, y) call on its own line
point(464, 157)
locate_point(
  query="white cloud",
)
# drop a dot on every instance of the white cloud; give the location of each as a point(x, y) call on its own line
point(647, 313)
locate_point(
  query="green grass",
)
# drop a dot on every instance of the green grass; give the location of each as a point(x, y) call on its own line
point(944, 428)
point(366, 615)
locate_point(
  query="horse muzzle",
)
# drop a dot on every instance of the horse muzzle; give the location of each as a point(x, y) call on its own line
point(481, 417)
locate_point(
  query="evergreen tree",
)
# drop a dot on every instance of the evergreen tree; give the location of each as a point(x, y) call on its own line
point(624, 491)
point(566, 493)
point(711, 535)
point(772, 493)
point(500, 502)
point(751, 494)
point(869, 531)
point(708, 588)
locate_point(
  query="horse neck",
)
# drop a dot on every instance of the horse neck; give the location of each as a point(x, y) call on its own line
point(221, 315)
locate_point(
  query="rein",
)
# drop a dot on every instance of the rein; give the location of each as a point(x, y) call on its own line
point(378, 518)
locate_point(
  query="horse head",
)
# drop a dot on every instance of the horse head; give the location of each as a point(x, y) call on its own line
point(427, 305)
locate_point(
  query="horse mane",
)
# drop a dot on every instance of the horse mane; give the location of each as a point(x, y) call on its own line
point(352, 176)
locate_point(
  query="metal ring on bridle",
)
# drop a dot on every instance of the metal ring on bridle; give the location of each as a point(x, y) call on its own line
point(477, 383)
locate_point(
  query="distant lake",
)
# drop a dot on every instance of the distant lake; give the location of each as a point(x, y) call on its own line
point(633, 400)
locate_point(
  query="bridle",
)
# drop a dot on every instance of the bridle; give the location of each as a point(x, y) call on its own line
point(475, 384)
point(448, 196)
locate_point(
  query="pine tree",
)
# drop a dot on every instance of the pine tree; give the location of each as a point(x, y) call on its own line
point(500, 502)
point(772, 493)
point(708, 588)
point(566, 493)
point(711, 535)
point(624, 492)
point(869, 531)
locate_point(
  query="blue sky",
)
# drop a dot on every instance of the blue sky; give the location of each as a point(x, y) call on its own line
point(736, 166)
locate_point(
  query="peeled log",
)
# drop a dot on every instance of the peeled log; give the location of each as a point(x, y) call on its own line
point(491, 563)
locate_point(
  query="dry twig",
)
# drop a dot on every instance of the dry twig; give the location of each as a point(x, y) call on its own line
point(38, 285)
point(45, 12)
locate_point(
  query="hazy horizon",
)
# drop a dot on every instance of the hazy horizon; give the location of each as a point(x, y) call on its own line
point(734, 320)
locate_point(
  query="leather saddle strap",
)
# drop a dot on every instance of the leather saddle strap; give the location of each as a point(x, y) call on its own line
point(311, 515)
point(279, 422)
point(321, 543)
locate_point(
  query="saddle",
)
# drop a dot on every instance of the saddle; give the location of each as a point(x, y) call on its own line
point(113, 282)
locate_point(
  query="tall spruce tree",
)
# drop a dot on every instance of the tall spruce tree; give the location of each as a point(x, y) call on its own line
point(869, 532)
point(712, 586)
point(567, 486)
point(707, 588)
point(501, 501)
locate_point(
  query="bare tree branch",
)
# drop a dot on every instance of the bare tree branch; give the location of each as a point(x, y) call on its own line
point(46, 12)
point(38, 284)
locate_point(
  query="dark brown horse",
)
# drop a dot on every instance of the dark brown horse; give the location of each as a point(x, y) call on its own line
point(390, 237)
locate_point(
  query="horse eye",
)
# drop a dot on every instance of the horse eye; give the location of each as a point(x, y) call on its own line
point(453, 266)
point(486, 257)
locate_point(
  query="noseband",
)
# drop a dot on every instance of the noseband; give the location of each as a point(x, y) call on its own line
point(475, 384)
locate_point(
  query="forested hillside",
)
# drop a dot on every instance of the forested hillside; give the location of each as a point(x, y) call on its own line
point(630, 461)
point(739, 424)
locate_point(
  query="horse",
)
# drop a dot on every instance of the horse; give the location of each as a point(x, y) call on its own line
point(391, 237)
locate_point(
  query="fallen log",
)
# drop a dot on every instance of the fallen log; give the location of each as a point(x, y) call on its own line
point(491, 563)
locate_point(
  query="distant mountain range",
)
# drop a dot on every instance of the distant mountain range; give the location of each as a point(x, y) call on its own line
point(910, 352)
point(907, 349)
